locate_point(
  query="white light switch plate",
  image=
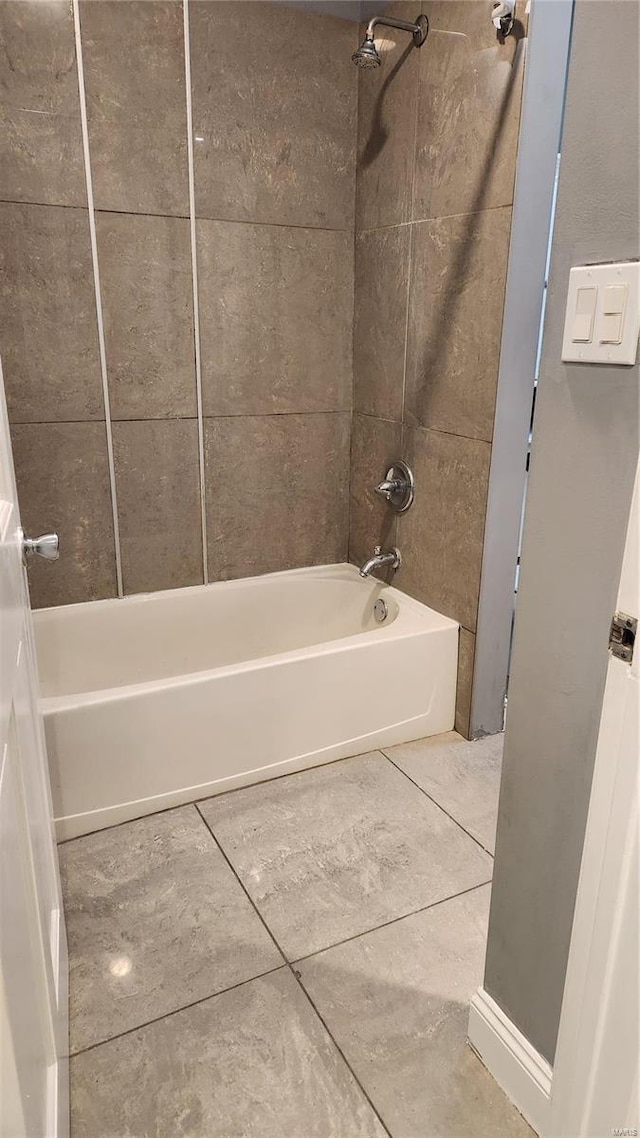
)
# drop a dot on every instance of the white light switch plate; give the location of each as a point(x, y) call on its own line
point(590, 327)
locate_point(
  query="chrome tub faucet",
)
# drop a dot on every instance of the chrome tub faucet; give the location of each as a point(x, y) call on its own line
point(380, 560)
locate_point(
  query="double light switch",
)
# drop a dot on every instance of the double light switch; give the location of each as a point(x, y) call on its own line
point(603, 314)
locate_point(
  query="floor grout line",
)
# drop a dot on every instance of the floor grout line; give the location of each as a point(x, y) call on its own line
point(241, 883)
point(207, 797)
point(386, 924)
point(436, 803)
point(176, 1011)
point(338, 1048)
point(261, 782)
point(289, 964)
point(292, 970)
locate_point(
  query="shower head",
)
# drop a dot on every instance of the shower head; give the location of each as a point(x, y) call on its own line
point(367, 54)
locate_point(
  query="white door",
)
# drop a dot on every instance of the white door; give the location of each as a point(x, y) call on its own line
point(33, 949)
point(594, 1090)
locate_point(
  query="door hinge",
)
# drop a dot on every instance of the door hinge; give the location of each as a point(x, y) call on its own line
point(623, 636)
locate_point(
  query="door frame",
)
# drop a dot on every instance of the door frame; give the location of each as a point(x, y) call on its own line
point(543, 98)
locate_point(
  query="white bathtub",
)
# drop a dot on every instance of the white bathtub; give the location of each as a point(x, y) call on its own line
point(160, 699)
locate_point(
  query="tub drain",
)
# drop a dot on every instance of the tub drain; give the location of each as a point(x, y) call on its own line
point(380, 610)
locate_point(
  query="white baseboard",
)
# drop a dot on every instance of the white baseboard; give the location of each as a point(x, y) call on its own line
point(523, 1074)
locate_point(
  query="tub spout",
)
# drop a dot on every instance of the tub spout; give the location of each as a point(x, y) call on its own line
point(379, 560)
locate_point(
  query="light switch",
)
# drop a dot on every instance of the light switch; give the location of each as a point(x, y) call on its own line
point(613, 306)
point(584, 315)
point(614, 298)
point(611, 328)
point(602, 319)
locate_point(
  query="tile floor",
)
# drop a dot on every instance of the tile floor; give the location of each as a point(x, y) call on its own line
point(290, 960)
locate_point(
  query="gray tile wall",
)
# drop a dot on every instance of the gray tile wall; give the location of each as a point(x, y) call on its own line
point(278, 136)
point(274, 163)
point(437, 137)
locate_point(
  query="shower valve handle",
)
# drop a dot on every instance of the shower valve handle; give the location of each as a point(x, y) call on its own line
point(47, 546)
point(390, 487)
point(397, 487)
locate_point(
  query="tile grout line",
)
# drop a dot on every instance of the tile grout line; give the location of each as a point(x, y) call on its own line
point(247, 786)
point(196, 300)
point(175, 1011)
point(98, 293)
point(338, 1048)
point(436, 217)
point(410, 257)
point(289, 965)
point(181, 418)
point(286, 963)
point(438, 804)
point(424, 427)
point(240, 882)
point(386, 924)
point(347, 230)
point(207, 798)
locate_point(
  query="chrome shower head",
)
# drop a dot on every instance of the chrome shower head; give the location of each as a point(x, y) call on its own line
point(367, 55)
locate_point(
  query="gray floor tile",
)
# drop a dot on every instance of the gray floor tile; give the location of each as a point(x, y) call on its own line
point(155, 920)
point(463, 777)
point(339, 849)
point(396, 1000)
point(255, 1062)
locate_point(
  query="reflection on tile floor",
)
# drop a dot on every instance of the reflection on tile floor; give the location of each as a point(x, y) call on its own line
point(369, 875)
point(155, 920)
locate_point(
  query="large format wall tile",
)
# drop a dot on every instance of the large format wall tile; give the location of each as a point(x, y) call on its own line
point(146, 280)
point(158, 492)
point(277, 488)
point(136, 104)
point(48, 324)
point(458, 273)
point(386, 126)
point(63, 484)
point(468, 112)
point(41, 156)
point(440, 537)
point(274, 105)
point(379, 332)
point(276, 318)
point(375, 443)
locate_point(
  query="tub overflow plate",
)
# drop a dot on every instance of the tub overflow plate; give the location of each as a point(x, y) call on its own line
point(380, 610)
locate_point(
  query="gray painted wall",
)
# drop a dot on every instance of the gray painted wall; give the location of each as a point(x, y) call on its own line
point(583, 465)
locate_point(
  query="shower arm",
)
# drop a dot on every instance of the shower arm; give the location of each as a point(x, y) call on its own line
point(418, 30)
point(390, 22)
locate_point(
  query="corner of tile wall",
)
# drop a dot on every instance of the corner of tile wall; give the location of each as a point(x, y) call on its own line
point(433, 219)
